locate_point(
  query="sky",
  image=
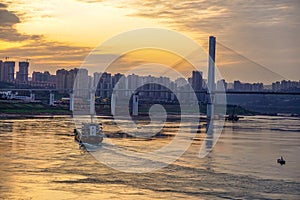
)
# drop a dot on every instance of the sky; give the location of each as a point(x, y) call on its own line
point(257, 40)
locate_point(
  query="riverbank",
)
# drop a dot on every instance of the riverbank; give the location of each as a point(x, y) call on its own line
point(23, 108)
point(19, 107)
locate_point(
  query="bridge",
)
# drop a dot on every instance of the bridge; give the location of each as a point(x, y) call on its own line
point(211, 91)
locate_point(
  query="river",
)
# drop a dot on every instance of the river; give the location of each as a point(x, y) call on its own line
point(40, 160)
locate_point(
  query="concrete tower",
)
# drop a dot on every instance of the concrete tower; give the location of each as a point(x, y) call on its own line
point(211, 77)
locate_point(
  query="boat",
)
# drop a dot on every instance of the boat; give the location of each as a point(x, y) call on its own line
point(232, 117)
point(90, 135)
point(281, 161)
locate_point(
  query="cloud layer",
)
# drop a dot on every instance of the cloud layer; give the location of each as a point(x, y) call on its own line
point(8, 20)
point(266, 31)
point(44, 53)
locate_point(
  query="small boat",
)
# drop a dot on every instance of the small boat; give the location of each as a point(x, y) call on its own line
point(90, 136)
point(281, 161)
point(232, 117)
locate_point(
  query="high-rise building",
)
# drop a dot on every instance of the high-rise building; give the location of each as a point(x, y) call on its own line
point(61, 76)
point(132, 81)
point(52, 79)
point(79, 80)
point(7, 71)
point(70, 78)
point(116, 78)
point(197, 80)
point(96, 79)
point(222, 85)
point(238, 86)
point(257, 87)
point(22, 74)
point(119, 84)
point(197, 84)
point(41, 77)
point(104, 88)
point(181, 82)
point(37, 76)
point(74, 78)
point(1, 69)
point(285, 85)
point(276, 86)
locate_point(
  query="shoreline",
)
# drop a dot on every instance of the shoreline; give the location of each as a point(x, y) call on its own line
point(31, 116)
point(172, 117)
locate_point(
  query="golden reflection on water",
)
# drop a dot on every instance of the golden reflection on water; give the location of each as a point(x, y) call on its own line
point(40, 160)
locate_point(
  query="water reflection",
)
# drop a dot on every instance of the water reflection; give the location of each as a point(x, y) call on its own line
point(6, 127)
point(214, 128)
point(39, 160)
point(209, 136)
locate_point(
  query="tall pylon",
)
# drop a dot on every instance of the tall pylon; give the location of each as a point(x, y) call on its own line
point(211, 77)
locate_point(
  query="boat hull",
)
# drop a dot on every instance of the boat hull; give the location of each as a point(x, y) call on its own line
point(90, 136)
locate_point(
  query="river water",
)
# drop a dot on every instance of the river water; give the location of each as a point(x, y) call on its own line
point(40, 160)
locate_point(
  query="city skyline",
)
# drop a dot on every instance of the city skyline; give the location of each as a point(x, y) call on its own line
point(65, 79)
point(23, 73)
point(53, 35)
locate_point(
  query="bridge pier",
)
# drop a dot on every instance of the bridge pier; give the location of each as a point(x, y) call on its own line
point(51, 99)
point(113, 104)
point(135, 105)
point(32, 96)
point(71, 108)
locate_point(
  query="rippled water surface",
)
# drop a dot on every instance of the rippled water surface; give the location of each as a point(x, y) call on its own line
point(40, 160)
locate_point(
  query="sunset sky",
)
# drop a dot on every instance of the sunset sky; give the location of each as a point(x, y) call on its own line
point(256, 37)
